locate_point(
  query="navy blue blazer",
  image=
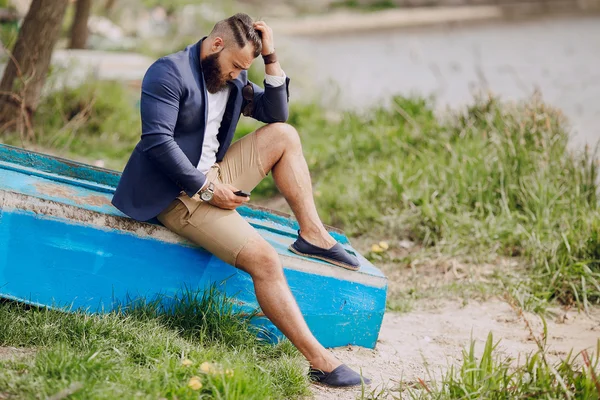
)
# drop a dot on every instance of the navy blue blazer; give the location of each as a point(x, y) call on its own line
point(173, 111)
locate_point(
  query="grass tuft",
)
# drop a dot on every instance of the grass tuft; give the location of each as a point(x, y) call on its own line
point(490, 376)
point(138, 352)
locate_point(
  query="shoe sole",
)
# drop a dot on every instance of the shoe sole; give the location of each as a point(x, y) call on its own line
point(324, 385)
point(337, 263)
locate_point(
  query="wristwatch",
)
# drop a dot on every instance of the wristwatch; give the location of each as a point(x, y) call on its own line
point(208, 192)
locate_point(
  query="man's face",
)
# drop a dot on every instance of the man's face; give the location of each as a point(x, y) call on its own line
point(225, 64)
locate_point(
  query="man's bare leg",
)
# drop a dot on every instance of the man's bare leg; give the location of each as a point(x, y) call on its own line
point(281, 153)
point(262, 262)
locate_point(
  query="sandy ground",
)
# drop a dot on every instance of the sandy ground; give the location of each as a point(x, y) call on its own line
point(411, 343)
point(11, 353)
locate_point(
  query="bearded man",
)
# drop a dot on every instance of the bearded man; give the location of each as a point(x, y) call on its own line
point(185, 172)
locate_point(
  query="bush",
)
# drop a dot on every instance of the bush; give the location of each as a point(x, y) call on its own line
point(496, 179)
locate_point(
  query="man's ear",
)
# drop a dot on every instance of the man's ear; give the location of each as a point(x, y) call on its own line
point(217, 44)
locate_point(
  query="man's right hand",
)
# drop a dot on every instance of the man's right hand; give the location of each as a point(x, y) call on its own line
point(225, 198)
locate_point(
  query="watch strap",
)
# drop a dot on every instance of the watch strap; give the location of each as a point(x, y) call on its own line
point(270, 58)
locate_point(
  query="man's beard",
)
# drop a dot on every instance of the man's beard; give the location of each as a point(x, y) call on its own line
point(213, 78)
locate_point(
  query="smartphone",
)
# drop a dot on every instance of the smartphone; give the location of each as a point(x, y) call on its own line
point(241, 193)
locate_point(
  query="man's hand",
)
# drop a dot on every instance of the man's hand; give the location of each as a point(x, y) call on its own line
point(268, 47)
point(225, 198)
point(268, 44)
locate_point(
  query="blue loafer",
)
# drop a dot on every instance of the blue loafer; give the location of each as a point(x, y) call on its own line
point(336, 255)
point(342, 376)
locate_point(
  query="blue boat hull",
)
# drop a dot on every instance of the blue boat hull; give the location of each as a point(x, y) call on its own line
point(62, 244)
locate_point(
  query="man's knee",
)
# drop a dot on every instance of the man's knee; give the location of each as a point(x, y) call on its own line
point(286, 131)
point(260, 260)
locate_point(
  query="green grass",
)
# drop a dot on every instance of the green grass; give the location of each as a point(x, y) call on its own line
point(372, 5)
point(490, 376)
point(97, 120)
point(496, 180)
point(138, 353)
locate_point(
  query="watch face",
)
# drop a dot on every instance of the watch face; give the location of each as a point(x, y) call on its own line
point(206, 196)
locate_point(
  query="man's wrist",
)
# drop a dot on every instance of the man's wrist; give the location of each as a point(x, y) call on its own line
point(204, 186)
point(270, 58)
point(272, 66)
point(207, 191)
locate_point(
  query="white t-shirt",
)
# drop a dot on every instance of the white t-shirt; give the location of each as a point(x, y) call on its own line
point(217, 103)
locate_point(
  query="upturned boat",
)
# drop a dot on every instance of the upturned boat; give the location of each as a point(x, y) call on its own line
point(64, 245)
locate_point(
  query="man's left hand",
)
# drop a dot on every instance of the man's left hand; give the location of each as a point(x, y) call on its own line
point(268, 44)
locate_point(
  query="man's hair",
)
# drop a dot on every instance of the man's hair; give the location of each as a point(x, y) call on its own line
point(239, 29)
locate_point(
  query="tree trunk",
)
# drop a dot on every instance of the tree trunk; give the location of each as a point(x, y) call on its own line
point(79, 29)
point(26, 71)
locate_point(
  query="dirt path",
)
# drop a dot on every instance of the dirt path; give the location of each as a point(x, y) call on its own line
point(408, 341)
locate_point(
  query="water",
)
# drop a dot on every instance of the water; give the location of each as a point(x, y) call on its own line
point(558, 57)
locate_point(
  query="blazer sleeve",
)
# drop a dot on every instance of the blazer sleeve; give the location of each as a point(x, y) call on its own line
point(159, 106)
point(269, 104)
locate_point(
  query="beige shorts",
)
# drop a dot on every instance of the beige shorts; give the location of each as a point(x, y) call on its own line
point(224, 233)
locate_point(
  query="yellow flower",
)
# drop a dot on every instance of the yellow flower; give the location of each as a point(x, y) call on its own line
point(229, 372)
point(195, 383)
point(206, 367)
point(384, 245)
point(186, 362)
point(376, 248)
